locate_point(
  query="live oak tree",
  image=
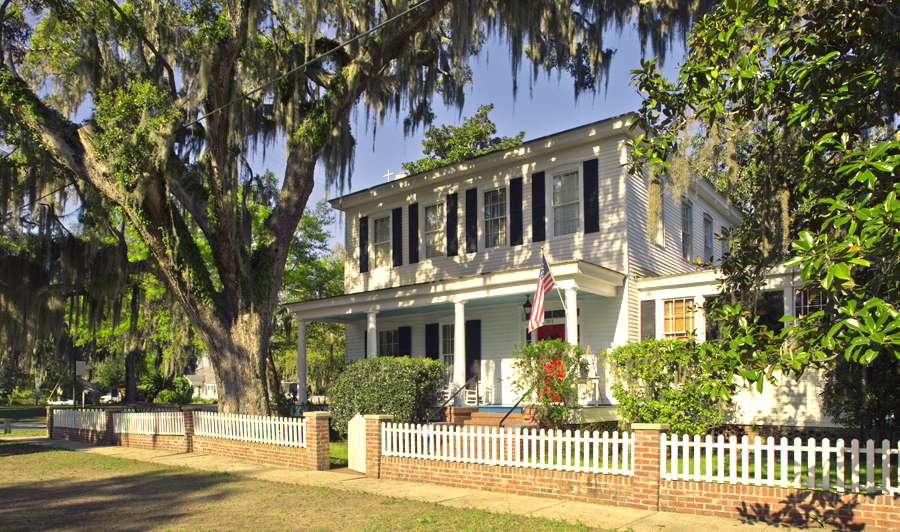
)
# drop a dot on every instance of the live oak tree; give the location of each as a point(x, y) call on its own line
point(806, 95)
point(175, 97)
point(445, 145)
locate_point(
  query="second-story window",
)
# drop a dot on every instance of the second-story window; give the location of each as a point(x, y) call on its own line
point(495, 218)
point(381, 240)
point(434, 231)
point(687, 230)
point(707, 237)
point(566, 205)
point(726, 243)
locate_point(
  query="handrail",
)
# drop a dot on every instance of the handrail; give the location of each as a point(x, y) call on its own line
point(452, 397)
point(500, 426)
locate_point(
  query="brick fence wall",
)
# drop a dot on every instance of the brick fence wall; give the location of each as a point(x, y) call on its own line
point(316, 454)
point(645, 490)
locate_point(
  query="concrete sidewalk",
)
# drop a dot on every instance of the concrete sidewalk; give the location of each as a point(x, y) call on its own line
point(604, 517)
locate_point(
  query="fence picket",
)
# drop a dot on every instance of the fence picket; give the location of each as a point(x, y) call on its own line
point(870, 466)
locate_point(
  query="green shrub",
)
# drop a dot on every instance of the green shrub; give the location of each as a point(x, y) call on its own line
point(662, 381)
point(403, 387)
point(550, 372)
point(178, 393)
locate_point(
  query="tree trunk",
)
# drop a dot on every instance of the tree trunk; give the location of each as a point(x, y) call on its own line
point(237, 352)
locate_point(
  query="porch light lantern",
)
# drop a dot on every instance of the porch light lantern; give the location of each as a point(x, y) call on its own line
point(527, 307)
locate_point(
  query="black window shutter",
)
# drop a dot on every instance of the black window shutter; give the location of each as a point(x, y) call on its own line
point(413, 233)
point(472, 220)
point(432, 341)
point(538, 208)
point(473, 348)
point(364, 244)
point(365, 344)
point(515, 212)
point(452, 225)
point(397, 235)
point(591, 178)
point(404, 341)
point(648, 320)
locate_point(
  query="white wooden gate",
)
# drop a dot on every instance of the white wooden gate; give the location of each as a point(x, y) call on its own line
point(356, 444)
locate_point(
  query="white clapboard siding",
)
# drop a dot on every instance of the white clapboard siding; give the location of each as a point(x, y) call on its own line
point(94, 420)
point(290, 432)
point(589, 452)
point(154, 423)
point(810, 465)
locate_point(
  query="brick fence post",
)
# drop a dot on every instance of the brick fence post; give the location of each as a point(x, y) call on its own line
point(645, 484)
point(49, 422)
point(318, 442)
point(373, 443)
point(188, 412)
point(109, 437)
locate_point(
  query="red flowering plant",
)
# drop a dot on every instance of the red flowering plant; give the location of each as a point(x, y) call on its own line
point(549, 374)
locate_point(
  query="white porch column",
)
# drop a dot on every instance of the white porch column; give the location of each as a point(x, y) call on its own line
point(459, 343)
point(301, 362)
point(571, 316)
point(371, 336)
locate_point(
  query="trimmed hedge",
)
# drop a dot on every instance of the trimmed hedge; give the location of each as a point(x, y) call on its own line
point(403, 387)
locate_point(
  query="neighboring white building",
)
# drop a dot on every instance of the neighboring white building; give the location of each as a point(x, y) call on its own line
point(440, 263)
point(203, 382)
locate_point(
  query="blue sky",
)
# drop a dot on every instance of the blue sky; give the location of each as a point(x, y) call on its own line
point(542, 107)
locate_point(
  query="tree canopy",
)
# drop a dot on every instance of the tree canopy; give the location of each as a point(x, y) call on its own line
point(811, 88)
point(451, 144)
point(178, 95)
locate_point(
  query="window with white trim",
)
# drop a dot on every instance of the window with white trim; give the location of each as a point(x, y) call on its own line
point(687, 230)
point(808, 301)
point(381, 241)
point(678, 318)
point(726, 242)
point(707, 237)
point(434, 231)
point(566, 203)
point(447, 338)
point(388, 343)
point(495, 218)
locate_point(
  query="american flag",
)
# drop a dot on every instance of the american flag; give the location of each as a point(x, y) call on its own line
point(545, 284)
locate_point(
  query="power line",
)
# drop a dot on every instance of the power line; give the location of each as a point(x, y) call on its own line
point(265, 85)
point(306, 64)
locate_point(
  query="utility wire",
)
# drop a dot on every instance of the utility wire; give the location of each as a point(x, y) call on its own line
point(306, 64)
point(268, 83)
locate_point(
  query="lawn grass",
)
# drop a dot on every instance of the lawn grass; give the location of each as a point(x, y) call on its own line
point(54, 489)
point(791, 471)
point(338, 453)
point(24, 412)
point(23, 433)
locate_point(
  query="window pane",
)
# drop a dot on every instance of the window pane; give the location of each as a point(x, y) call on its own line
point(678, 318)
point(495, 218)
point(565, 188)
point(434, 231)
point(565, 220)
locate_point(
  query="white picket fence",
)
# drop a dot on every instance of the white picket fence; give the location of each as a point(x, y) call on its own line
point(285, 431)
point(808, 465)
point(94, 420)
point(589, 452)
point(155, 423)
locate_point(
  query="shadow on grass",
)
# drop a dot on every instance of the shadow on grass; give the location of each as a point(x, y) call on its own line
point(101, 493)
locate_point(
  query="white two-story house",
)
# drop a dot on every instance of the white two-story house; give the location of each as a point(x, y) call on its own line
point(440, 264)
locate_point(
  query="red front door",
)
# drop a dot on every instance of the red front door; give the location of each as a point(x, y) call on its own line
point(551, 332)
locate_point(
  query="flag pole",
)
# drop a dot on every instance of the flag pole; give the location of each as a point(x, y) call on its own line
point(556, 285)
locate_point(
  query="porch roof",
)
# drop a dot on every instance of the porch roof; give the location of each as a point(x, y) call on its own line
point(482, 289)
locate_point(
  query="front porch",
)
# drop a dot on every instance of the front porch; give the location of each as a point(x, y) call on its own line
point(492, 416)
point(473, 324)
